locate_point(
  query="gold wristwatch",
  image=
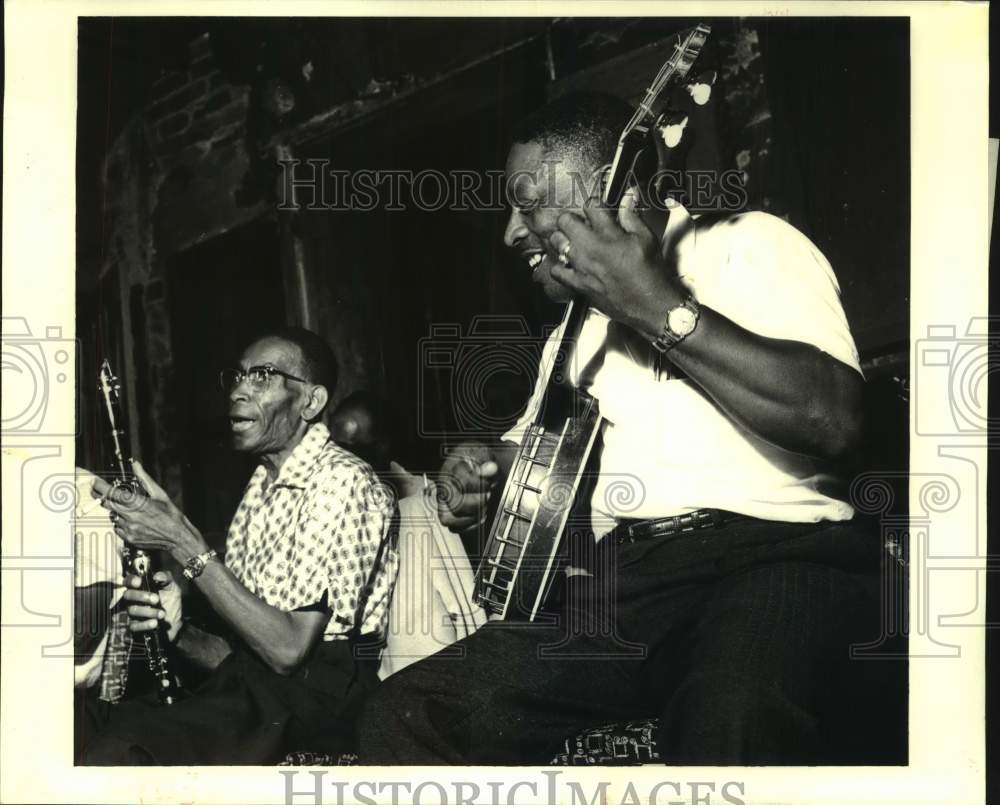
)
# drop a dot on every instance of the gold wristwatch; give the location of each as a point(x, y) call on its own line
point(678, 324)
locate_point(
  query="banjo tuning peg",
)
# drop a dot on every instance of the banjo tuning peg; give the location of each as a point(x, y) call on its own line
point(670, 126)
point(700, 87)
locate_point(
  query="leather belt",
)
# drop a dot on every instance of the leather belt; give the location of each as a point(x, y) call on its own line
point(629, 531)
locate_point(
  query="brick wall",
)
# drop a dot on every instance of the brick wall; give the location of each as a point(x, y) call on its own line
point(196, 126)
point(195, 111)
point(172, 179)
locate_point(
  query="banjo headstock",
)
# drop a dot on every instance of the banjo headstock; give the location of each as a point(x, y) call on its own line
point(662, 117)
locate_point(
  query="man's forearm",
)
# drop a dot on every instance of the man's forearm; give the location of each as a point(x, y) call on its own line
point(786, 392)
point(279, 638)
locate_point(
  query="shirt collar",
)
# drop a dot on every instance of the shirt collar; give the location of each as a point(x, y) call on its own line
point(301, 464)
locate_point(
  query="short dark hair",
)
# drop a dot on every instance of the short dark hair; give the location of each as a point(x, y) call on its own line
point(319, 364)
point(379, 451)
point(586, 123)
point(364, 400)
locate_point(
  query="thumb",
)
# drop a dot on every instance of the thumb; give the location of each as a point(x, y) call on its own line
point(395, 466)
point(163, 579)
point(153, 488)
point(628, 215)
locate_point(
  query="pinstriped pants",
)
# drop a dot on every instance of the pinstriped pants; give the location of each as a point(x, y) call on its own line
point(736, 638)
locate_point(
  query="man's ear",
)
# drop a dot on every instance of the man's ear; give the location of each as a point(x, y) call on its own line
point(316, 402)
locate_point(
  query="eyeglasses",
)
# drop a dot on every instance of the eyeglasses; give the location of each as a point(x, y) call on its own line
point(259, 377)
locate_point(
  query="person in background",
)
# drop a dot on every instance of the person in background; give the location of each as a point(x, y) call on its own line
point(432, 604)
point(360, 424)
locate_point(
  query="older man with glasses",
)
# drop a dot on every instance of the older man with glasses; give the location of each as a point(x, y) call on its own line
point(307, 577)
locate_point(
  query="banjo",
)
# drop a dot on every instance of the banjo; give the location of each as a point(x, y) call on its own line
point(521, 555)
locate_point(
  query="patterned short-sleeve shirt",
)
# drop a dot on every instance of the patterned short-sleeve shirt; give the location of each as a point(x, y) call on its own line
point(314, 534)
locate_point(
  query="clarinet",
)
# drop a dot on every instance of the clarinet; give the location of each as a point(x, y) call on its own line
point(136, 562)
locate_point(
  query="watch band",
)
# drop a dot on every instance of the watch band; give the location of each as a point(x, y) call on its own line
point(195, 566)
point(668, 339)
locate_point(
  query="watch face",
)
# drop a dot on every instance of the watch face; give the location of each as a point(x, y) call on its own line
point(682, 321)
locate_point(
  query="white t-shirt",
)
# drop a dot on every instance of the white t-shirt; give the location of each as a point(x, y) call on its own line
point(668, 449)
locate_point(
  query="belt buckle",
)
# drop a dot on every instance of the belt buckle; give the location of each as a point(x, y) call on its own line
point(678, 524)
point(654, 528)
point(632, 533)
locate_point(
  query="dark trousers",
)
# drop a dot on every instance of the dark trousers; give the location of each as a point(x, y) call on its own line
point(243, 714)
point(737, 639)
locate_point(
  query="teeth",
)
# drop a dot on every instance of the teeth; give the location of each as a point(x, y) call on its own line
point(534, 260)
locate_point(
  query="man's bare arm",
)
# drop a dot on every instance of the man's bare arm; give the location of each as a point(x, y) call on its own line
point(283, 640)
point(786, 392)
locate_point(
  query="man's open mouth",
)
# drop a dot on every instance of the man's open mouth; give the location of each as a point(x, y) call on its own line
point(238, 424)
point(535, 260)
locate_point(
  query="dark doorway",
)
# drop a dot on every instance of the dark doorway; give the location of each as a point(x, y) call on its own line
point(223, 293)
